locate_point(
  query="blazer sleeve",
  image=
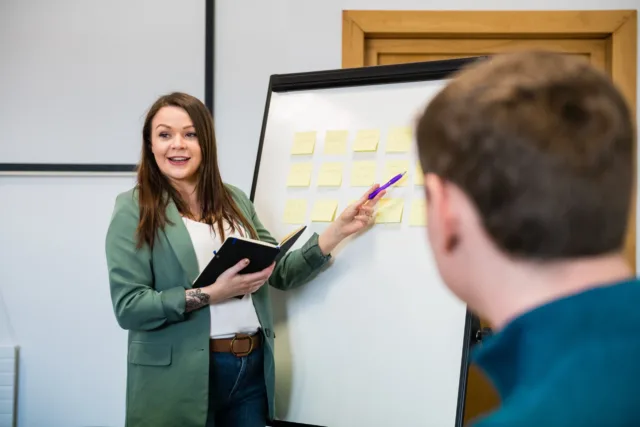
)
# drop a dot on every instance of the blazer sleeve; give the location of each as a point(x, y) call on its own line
point(136, 304)
point(297, 266)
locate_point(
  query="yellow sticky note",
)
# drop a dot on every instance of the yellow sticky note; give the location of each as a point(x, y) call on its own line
point(324, 210)
point(393, 168)
point(299, 175)
point(366, 140)
point(335, 142)
point(330, 174)
point(304, 142)
point(389, 210)
point(399, 140)
point(419, 175)
point(363, 173)
point(418, 215)
point(295, 211)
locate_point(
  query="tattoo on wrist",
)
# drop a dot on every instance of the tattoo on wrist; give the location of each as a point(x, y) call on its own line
point(195, 299)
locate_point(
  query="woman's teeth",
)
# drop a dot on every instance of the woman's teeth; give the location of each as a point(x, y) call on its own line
point(178, 159)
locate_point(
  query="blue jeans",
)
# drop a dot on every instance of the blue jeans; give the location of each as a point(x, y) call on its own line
point(237, 391)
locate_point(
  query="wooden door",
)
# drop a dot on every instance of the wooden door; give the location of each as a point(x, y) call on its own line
point(605, 38)
point(394, 51)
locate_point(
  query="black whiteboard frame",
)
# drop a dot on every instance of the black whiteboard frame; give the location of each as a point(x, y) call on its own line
point(119, 168)
point(368, 76)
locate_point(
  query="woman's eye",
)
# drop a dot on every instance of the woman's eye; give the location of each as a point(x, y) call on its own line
point(163, 135)
point(191, 135)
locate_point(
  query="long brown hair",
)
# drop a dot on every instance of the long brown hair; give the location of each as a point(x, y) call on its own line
point(155, 190)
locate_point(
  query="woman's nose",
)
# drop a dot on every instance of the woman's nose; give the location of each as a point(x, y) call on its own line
point(178, 142)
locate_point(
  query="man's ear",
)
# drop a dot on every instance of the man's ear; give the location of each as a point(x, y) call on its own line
point(426, 188)
point(441, 212)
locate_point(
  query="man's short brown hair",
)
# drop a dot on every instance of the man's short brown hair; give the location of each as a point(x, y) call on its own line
point(542, 143)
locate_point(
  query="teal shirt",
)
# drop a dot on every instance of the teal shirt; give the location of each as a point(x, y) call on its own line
point(574, 362)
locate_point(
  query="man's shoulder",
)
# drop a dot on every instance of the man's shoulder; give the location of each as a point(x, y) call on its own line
point(561, 409)
point(593, 385)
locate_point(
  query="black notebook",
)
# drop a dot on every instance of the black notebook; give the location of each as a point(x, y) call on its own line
point(234, 249)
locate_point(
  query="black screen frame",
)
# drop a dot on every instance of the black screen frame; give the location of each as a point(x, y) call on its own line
point(120, 168)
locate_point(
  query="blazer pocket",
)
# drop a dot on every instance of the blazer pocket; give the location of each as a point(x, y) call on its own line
point(149, 353)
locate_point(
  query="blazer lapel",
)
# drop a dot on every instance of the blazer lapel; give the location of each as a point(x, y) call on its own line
point(180, 242)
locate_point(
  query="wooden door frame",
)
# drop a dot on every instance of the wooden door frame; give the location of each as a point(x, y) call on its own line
point(618, 27)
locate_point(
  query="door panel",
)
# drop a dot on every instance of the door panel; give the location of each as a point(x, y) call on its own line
point(607, 39)
point(396, 51)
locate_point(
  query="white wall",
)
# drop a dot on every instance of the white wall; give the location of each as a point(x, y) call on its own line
point(76, 78)
point(54, 280)
point(282, 36)
point(85, 72)
point(52, 273)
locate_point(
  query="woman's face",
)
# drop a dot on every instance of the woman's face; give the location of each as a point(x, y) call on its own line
point(175, 145)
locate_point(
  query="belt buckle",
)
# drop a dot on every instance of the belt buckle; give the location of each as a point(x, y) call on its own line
point(241, 337)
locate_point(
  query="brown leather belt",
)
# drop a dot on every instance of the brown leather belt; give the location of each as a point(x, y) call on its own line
point(240, 345)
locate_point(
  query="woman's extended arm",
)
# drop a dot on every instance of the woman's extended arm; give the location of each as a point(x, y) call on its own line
point(296, 266)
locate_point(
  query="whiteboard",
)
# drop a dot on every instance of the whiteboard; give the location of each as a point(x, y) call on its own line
point(375, 339)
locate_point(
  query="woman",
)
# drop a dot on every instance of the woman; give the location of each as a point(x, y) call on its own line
point(199, 357)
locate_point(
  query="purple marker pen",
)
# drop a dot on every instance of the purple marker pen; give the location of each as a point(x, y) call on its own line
point(388, 184)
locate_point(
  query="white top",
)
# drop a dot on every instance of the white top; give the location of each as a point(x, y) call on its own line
point(233, 315)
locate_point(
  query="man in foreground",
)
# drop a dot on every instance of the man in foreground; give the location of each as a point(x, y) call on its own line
point(528, 162)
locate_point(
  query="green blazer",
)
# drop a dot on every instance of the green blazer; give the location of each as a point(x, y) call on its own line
point(168, 349)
